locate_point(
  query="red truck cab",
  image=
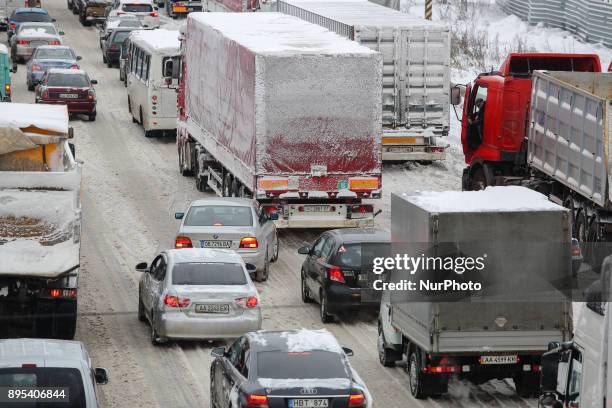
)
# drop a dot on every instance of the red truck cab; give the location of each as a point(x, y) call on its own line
point(494, 140)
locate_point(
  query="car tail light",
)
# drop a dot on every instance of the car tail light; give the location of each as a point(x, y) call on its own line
point(357, 400)
point(362, 209)
point(247, 302)
point(74, 66)
point(91, 95)
point(335, 274)
point(54, 42)
point(175, 301)
point(36, 67)
point(55, 293)
point(12, 26)
point(28, 365)
point(441, 369)
point(183, 242)
point(23, 42)
point(113, 46)
point(576, 251)
point(257, 401)
point(153, 14)
point(249, 242)
point(436, 149)
point(7, 89)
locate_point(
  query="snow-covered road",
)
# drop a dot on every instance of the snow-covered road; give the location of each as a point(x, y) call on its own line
point(131, 188)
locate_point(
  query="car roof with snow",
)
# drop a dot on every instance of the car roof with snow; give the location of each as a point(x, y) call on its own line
point(42, 352)
point(230, 202)
point(352, 235)
point(31, 10)
point(66, 71)
point(300, 340)
point(192, 255)
point(156, 41)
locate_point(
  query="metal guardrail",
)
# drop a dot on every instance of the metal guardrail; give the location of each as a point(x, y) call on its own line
point(336, 26)
point(591, 20)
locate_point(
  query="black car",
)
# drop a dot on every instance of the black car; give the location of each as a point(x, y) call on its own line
point(275, 369)
point(337, 271)
point(111, 47)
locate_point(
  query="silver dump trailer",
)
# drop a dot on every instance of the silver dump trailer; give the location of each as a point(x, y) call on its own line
point(40, 221)
point(514, 231)
point(284, 111)
point(416, 67)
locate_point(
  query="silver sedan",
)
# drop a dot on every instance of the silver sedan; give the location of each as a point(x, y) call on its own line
point(31, 35)
point(239, 224)
point(197, 294)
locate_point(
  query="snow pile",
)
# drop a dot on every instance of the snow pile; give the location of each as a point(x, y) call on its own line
point(492, 199)
point(308, 340)
point(159, 40)
point(23, 115)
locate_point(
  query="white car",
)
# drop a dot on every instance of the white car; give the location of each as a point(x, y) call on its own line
point(31, 35)
point(145, 10)
point(239, 224)
point(197, 294)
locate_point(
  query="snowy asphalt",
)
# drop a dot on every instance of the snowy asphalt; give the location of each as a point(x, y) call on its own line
point(131, 188)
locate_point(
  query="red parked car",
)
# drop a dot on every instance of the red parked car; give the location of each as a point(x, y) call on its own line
point(71, 87)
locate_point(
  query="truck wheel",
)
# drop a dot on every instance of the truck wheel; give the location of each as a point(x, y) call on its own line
point(478, 180)
point(581, 226)
point(306, 297)
point(415, 377)
point(325, 316)
point(262, 275)
point(69, 5)
point(386, 356)
point(244, 192)
point(227, 184)
point(201, 183)
point(141, 311)
point(235, 188)
point(527, 384)
point(65, 320)
point(74, 10)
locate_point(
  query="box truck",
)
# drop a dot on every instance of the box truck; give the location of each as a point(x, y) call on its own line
point(284, 111)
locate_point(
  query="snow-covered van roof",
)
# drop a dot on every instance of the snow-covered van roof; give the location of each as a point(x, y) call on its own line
point(276, 33)
point(3, 49)
point(158, 41)
point(362, 13)
point(492, 199)
point(52, 118)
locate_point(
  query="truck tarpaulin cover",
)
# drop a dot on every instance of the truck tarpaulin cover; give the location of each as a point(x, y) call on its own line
point(281, 94)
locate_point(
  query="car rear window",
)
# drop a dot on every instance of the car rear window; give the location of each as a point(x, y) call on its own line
point(218, 215)
point(33, 30)
point(360, 254)
point(130, 23)
point(137, 8)
point(34, 17)
point(69, 378)
point(208, 274)
point(120, 36)
point(68, 80)
point(53, 53)
point(306, 365)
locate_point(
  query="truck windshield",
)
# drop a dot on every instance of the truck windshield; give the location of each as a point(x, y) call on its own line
point(68, 379)
point(217, 215)
point(208, 274)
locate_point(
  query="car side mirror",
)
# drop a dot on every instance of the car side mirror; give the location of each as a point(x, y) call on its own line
point(218, 352)
point(305, 250)
point(142, 267)
point(455, 95)
point(348, 351)
point(78, 58)
point(179, 215)
point(94, 81)
point(155, 8)
point(53, 20)
point(553, 345)
point(101, 375)
point(168, 67)
point(251, 269)
point(62, 33)
point(72, 148)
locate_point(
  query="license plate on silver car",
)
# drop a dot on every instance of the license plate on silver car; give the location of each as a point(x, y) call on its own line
point(308, 403)
point(69, 96)
point(216, 244)
point(212, 308)
point(507, 359)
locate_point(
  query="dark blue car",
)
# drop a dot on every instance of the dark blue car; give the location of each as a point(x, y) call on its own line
point(49, 56)
point(26, 14)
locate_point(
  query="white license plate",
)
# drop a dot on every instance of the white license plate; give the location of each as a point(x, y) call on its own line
point(510, 359)
point(68, 96)
point(212, 308)
point(308, 403)
point(363, 277)
point(316, 208)
point(216, 244)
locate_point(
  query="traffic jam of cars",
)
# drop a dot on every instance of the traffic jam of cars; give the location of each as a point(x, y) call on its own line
point(279, 131)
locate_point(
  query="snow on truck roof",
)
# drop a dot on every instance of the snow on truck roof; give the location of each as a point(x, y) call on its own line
point(276, 33)
point(492, 199)
point(157, 41)
point(22, 115)
point(363, 13)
